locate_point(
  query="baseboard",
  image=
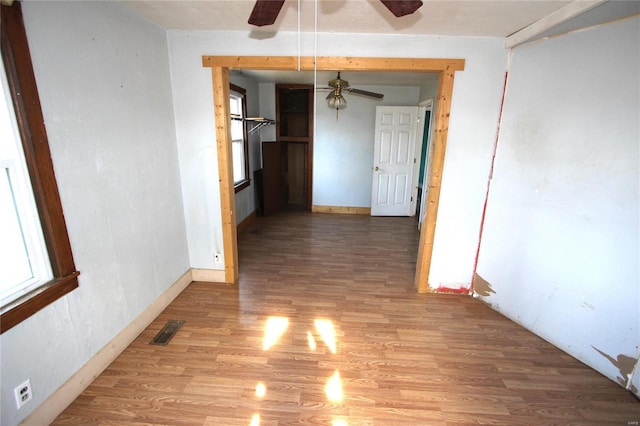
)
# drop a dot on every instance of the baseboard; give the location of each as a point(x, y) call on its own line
point(633, 384)
point(208, 275)
point(246, 222)
point(54, 405)
point(341, 210)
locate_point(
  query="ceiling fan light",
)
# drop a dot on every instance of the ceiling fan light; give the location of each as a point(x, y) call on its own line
point(337, 102)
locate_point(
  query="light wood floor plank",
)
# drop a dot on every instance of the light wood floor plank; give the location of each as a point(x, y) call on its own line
point(401, 358)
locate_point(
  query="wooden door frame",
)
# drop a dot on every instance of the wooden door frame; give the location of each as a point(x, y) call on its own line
point(220, 66)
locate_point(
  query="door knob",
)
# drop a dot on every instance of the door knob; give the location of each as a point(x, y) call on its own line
point(377, 168)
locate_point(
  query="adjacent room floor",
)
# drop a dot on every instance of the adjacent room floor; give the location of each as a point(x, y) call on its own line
point(325, 328)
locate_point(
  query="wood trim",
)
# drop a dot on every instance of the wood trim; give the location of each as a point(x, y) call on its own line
point(225, 172)
point(209, 275)
point(47, 412)
point(245, 134)
point(26, 102)
point(446, 68)
point(341, 210)
point(328, 63)
point(438, 149)
point(33, 302)
point(242, 185)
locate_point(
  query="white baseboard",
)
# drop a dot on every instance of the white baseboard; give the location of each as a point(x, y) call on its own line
point(208, 275)
point(54, 405)
point(633, 384)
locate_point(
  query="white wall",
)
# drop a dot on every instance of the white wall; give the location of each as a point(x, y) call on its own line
point(104, 83)
point(343, 147)
point(474, 114)
point(429, 91)
point(561, 241)
point(267, 110)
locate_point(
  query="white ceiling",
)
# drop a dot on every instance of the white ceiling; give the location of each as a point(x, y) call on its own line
point(490, 18)
point(480, 18)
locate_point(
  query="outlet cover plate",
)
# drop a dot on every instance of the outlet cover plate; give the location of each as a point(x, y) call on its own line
point(23, 393)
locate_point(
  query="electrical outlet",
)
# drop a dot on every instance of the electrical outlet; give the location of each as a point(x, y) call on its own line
point(217, 257)
point(23, 393)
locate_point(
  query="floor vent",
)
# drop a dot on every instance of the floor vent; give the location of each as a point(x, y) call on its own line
point(167, 332)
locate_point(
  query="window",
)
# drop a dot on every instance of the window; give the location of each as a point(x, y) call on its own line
point(31, 211)
point(239, 139)
point(24, 262)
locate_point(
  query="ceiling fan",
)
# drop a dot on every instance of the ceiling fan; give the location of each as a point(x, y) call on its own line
point(265, 12)
point(337, 86)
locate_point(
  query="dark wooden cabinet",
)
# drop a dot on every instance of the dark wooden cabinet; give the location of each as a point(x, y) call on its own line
point(294, 112)
point(287, 162)
point(272, 177)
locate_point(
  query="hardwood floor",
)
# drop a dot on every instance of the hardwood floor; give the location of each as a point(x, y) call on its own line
point(262, 352)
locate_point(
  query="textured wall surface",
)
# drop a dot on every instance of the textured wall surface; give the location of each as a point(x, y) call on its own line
point(560, 249)
point(106, 100)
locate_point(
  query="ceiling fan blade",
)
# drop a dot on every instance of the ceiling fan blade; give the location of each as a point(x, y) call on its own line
point(365, 93)
point(402, 7)
point(265, 12)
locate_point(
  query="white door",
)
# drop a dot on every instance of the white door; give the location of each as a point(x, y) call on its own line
point(394, 162)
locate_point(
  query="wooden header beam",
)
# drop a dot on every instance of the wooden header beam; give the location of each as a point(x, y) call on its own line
point(330, 63)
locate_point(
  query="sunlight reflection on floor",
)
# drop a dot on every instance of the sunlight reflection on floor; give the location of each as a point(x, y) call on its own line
point(275, 327)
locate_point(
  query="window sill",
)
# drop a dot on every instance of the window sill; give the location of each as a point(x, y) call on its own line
point(242, 185)
point(30, 303)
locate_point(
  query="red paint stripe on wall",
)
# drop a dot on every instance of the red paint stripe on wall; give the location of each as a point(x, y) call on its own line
point(493, 161)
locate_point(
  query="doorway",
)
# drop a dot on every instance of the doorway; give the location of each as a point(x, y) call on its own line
point(425, 163)
point(284, 176)
point(220, 66)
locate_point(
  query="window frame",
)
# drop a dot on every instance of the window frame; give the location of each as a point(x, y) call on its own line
point(22, 225)
point(26, 103)
point(237, 90)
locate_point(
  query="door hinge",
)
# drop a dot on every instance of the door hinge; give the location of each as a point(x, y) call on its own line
point(412, 198)
point(414, 161)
